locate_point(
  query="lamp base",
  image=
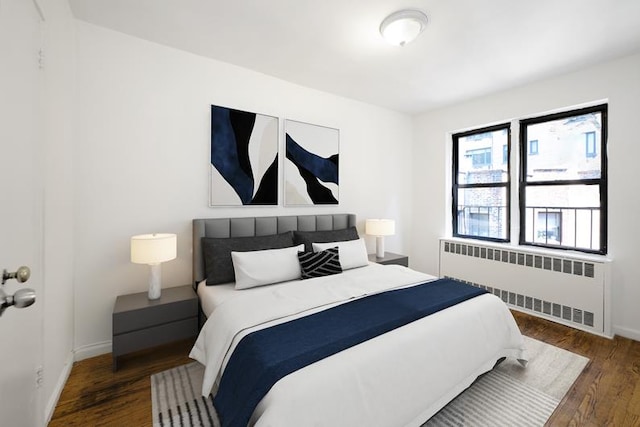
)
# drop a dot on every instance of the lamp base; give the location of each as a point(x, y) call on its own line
point(379, 246)
point(155, 280)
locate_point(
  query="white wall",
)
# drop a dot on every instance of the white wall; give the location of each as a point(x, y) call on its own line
point(141, 160)
point(619, 82)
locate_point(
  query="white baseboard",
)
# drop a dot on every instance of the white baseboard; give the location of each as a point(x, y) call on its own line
point(92, 350)
point(57, 390)
point(627, 333)
point(81, 353)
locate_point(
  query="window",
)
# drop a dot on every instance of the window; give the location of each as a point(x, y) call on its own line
point(480, 187)
point(562, 188)
point(563, 195)
point(590, 143)
point(480, 157)
point(549, 225)
point(479, 222)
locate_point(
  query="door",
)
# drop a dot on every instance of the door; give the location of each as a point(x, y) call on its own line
point(21, 209)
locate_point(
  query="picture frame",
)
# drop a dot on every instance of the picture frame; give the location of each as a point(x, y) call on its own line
point(311, 165)
point(244, 163)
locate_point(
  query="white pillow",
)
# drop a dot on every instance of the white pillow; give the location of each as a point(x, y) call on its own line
point(353, 253)
point(257, 268)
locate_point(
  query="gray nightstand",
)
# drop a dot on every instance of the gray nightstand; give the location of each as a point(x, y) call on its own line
point(390, 258)
point(139, 323)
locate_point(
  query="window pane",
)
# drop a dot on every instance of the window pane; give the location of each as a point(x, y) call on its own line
point(563, 215)
point(482, 212)
point(481, 157)
point(590, 143)
point(560, 152)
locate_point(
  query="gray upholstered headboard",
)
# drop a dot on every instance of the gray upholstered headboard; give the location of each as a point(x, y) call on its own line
point(260, 226)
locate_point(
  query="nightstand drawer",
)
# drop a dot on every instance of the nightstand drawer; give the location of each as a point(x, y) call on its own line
point(157, 335)
point(134, 320)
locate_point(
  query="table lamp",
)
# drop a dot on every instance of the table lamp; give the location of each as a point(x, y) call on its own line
point(380, 228)
point(153, 249)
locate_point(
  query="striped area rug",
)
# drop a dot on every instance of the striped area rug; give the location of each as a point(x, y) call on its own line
point(508, 396)
point(498, 398)
point(176, 399)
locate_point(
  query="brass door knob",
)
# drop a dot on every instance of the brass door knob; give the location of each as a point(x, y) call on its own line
point(21, 275)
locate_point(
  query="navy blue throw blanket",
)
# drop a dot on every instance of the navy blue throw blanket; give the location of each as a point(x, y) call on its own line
point(265, 356)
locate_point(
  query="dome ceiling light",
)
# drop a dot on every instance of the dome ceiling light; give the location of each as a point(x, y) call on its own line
point(403, 26)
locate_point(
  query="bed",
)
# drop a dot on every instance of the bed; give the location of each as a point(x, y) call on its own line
point(399, 378)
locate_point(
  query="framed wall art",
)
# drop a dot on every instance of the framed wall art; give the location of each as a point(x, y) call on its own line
point(311, 164)
point(244, 158)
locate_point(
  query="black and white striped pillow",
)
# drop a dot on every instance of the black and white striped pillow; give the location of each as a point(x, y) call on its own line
point(318, 264)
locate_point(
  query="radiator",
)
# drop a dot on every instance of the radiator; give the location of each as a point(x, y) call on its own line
point(570, 289)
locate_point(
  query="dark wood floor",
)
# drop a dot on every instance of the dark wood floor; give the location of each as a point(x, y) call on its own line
point(606, 394)
point(94, 395)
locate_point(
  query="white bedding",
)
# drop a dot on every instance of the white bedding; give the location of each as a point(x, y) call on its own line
point(401, 378)
point(212, 296)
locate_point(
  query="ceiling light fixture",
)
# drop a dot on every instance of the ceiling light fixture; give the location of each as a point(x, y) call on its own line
point(403, 26)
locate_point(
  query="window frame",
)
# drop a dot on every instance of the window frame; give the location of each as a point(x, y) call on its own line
point(602, 182)
point(457, 186)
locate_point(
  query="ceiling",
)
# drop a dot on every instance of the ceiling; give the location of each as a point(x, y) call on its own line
point(469, 48)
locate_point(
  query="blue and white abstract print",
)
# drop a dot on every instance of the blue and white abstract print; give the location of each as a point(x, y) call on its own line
point(244, 158)
point(311, 166)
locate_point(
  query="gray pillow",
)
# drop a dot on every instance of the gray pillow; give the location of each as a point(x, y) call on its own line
point(326, 236)
point(218, 265)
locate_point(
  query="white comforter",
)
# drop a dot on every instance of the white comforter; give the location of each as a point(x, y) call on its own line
point(401, 378)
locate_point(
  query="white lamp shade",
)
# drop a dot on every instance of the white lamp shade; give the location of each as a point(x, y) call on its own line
point(153, 248)
point(380, 227)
